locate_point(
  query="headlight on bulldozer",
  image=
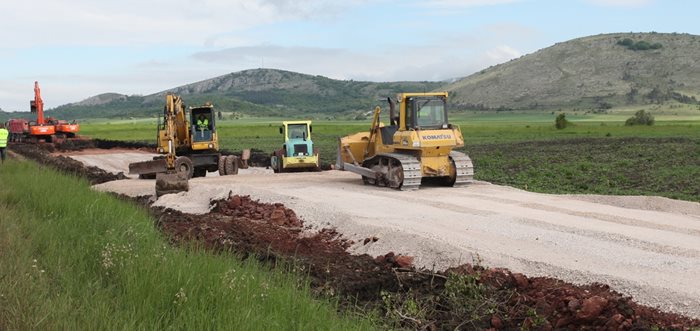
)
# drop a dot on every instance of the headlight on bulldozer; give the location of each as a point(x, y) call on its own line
point(211, 145)
point(161, 150)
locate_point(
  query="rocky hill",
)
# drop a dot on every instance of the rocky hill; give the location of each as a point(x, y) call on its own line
point(102, 99)
point(592, 72)
point(260, 92)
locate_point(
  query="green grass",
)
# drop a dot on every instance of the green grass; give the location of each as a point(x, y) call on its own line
point(667, 167)
point(72, 258)
point(494, 141)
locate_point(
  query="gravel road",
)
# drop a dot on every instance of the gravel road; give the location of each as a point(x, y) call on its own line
point(645, 247)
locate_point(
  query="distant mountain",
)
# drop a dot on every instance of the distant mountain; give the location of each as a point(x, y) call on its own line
point(592, 72)
point(596, 72)
point(102, 99)
point(260, 92)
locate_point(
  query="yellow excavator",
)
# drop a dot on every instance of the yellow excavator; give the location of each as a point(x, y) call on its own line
point(190, 148)
point(417, 144)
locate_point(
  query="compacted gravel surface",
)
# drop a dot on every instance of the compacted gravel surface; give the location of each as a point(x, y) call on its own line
point(645, 247)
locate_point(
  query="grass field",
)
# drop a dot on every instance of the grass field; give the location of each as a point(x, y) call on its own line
point(88, 261)
point(593, 155)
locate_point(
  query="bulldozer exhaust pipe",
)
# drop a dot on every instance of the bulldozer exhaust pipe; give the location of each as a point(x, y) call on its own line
point(392, 111)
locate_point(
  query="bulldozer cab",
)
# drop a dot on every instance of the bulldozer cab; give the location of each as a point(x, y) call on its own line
point(424, 112)
point(202, 124)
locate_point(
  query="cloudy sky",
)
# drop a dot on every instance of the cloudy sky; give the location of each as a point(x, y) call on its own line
point(80, 48)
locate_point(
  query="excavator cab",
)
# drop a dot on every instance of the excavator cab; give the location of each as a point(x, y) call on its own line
point(202, 126)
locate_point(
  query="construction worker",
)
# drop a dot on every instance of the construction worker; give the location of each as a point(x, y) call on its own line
point(3, 141)
point(202, 123)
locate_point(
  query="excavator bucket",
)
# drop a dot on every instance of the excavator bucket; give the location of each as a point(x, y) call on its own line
point(171, 182)
point(148, 167)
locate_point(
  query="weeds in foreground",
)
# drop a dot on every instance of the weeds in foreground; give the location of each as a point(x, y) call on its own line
point(86, 260)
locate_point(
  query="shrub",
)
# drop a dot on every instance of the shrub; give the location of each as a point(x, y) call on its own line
point(641, 117)
point(626, 42)
point(560, 122)
point(638, 46)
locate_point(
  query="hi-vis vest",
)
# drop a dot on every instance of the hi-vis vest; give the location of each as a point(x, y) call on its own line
point(3, 137)
point(202, 125)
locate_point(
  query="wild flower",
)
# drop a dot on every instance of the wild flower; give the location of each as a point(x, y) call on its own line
point(160, 253)
point(180, 297)
point(265, 287)
point(107, 260)
point(230, 279)
point(117, 255)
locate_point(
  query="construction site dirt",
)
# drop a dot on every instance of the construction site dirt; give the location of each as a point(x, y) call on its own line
point(344, 262)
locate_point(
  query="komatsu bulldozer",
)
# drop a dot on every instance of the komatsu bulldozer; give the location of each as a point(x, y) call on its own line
point(418, 143)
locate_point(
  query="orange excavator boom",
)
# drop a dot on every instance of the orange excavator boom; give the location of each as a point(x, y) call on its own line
point(38, 104)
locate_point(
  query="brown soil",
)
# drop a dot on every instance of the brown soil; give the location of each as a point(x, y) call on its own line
point(41, 154)
point(271, 232)
point(405, 296)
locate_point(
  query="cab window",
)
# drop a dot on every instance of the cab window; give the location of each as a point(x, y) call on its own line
point(297, 131)
point(430, 113)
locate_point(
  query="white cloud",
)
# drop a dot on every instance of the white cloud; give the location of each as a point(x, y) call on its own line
point(620, 3)
point(438, 62)
point(137, 22)
point(136, 28)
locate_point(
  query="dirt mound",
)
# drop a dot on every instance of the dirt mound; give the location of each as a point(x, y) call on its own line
point(74, 144)
point(272, 232)
point(109, 144)
point(41, 154)
point(464, 297)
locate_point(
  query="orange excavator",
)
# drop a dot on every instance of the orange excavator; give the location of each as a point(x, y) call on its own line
point(42, 130)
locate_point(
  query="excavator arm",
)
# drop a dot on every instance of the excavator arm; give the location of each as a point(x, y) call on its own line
point(38, 104)
point(174, 134)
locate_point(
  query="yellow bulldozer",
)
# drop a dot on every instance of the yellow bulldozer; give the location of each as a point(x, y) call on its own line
point(190, 146)
point(417, 144)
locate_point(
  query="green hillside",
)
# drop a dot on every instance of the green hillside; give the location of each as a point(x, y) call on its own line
point(258, 92)
point(595, 72)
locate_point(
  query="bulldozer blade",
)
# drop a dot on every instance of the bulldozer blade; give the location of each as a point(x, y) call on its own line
point(167, 183)
point(148, 167)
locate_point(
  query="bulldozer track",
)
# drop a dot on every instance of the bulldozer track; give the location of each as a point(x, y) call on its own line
point(464, 167)
point(411, 170)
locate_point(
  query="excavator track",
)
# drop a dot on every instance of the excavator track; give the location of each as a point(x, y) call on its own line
point(405, 178)
point(464, 167)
